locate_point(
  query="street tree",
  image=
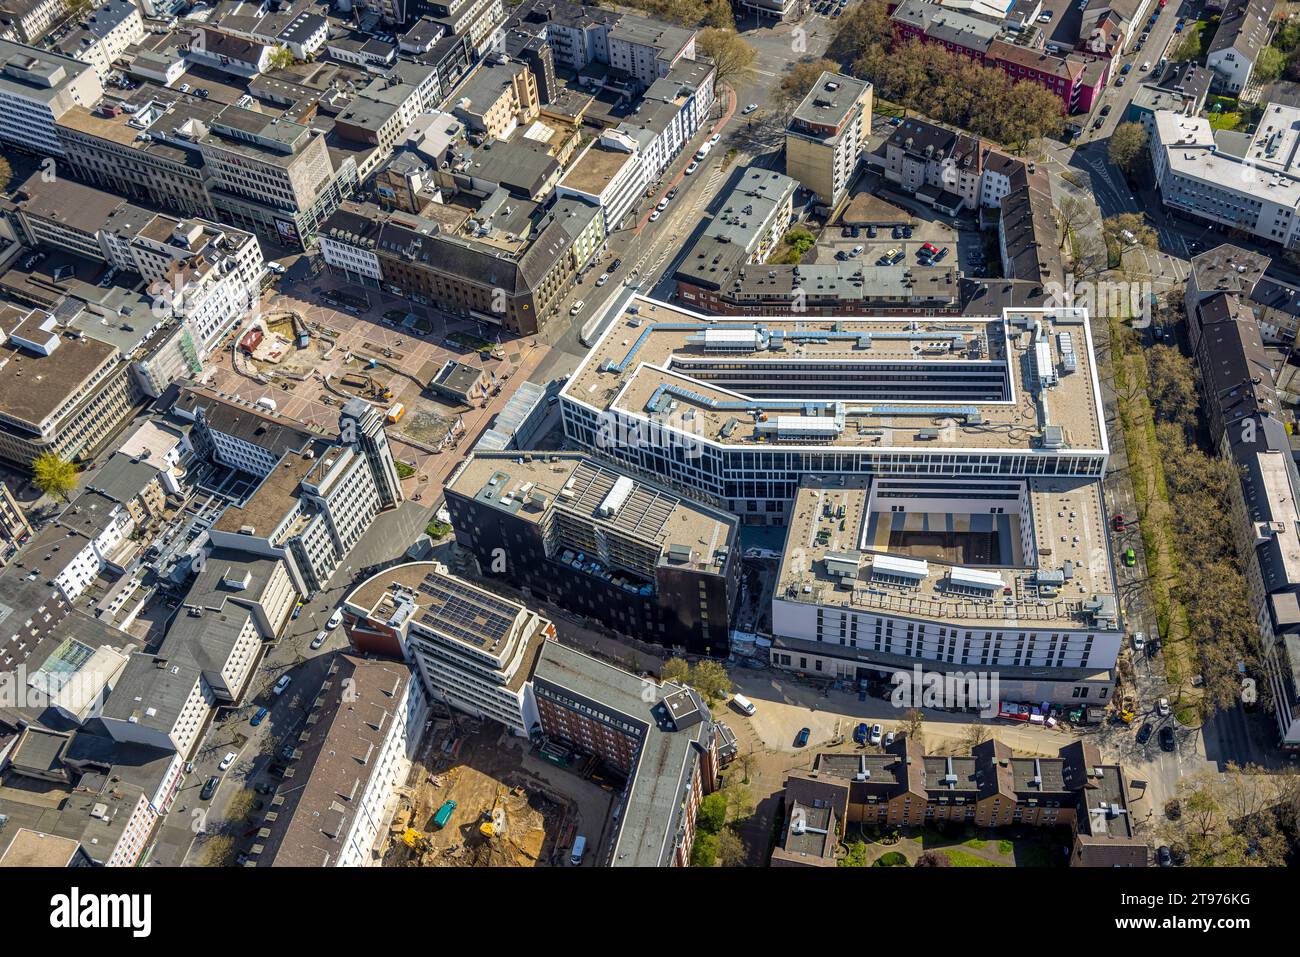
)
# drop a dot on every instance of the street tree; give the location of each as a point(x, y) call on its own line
point(913, 722)
point(1130, 229)
point(675, 670)
point(733, 58)
point(710, 679)
point(53, 475)
point(1126, 146)
point(799, 78)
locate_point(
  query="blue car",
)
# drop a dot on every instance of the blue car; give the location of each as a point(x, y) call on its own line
point(802, 737)
point(259, 717)
point(860, 733)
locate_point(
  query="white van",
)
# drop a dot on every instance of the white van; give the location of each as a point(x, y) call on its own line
point(744, 705)
point(579, 848)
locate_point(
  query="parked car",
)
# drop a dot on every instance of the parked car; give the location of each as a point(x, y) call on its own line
point(615, 263)
point(297, 610)
point(319, 639)
point(336, 619)
point(259, 717)
point(227, 761)
point(749, 109)
point(692, 168)
point(1164, 857)
point(889, 739)
point(928, 249)
point(1146, 65)
point(1118, 522)
point(1105, 110)
point(209, 788)
point(860, 733)
point(802, 737)
point(943, 251)
point(1139, 641)
point(1129, 558)
point(1167, 738)
point(871, 232)
point(855, 251)
point(276, 268)
point(898, 232)
point(284, 682)
point(1144, 733)
point(663, 204)
point(1162, 707)
point(654, 217)
point(576, 308)
point(877, 733)
point(604, 278)
point(907, 232)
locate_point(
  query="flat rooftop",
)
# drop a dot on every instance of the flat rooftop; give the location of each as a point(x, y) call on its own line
point(1023, 381)
point(846, 547)
point(579, 485)
point(595, 169)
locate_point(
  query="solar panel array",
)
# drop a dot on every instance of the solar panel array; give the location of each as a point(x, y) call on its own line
point(460, 611)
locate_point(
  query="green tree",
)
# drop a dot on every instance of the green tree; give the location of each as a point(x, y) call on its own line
point(1130, 229)
point(740, 801)
point(1269, 65)
point(713, 812)
point(705, 851)
point(281, 58)
point(710, 679)
point(799, 79)
point(53, 475)
point(1127, 144)
point(733, 58)
point(856, 855)
point(6, 174)
point(731, 849)
point(675, 670)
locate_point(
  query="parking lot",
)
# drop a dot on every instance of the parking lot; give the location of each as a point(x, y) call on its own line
point(964, 244)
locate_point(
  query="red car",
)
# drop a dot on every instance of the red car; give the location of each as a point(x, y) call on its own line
point(1118, 522)
point(929, 249)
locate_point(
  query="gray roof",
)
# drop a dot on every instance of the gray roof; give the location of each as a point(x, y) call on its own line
point(122, 478)
point(151, 692)
point(36, 74)
point(665, 766)
point(831, 100)
point(1244, 27)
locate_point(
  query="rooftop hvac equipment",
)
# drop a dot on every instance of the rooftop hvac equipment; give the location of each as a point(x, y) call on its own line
point(843, 564)
point(1053, 437)
point(889, 566)
point(791, 426)
point(616, 497)
point(733, 340)
point(1044, 368)
point(1065, 346)
point(975, 579)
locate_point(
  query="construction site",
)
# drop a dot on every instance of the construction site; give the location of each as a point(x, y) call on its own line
point(476, 798)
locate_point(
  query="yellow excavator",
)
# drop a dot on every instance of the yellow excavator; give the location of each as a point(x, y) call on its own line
point(415, 840)
point(494, 823)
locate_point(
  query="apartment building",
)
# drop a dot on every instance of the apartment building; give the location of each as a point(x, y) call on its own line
point(671, 111)
point(610, 175)
point(626, 552)
point(827, 135)
point(271, 175)
point(1243, 413)
point(15, 530)
point(315, 496)
point(385, 107)
point(473, 650)
point(1244, 29)
point(103, 36)
point(38, 87)
point(479, 20)
point(362, 731)
point(29, 21)
point(1255, 190)
point(496, 99)
point(660, 739)
point(647, 49)
point(82, 799)
point(60, 391)
point(990, 787)
point(209, 656)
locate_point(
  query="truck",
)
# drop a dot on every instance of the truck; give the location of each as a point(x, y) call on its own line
point(444, 814)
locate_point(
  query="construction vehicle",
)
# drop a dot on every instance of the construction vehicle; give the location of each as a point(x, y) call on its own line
point(494, 824)
point(444, 814)
point(416, 841)
point(366, 385)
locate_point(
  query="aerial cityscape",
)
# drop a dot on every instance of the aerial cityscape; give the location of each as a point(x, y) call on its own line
point(655, 433)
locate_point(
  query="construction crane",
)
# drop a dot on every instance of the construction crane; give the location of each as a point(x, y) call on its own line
point(494, 824)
